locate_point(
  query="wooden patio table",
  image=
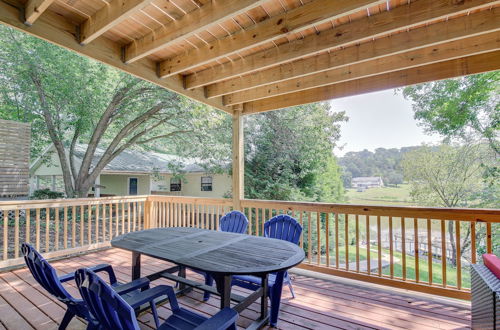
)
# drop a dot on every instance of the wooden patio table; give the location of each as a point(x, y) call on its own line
point(220, 254)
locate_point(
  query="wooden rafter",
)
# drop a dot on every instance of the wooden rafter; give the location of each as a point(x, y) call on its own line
point(112, 14)
point(296, 20)
point(436, 53)
point(437, 71)
point(198, 20)
point(58, 30)
point(408, 16)
point(462, 27)
point(33, 9)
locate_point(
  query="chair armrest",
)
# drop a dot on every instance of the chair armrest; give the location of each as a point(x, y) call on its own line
point(67, 277)
point(105, 268)
point(151, 294)
point(140, 283)
point(222, 320)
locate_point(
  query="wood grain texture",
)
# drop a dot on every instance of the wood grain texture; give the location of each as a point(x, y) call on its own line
point(15, 140)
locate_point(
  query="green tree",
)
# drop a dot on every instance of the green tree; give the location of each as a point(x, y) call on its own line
point(447, 176)
point(289, 154)
point(460, 107)
point(70, 99)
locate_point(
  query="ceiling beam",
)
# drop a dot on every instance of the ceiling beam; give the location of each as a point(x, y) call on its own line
point(33, 9)
point(112, 14)
point(437, 71)
point(296, 20)
point(210, 14)
point(407, 16)
point(433, 54)
point(461, 27)
point(57, 30)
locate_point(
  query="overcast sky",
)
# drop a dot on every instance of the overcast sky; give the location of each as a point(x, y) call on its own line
point(381, 119)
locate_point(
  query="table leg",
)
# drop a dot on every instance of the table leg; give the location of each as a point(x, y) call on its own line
point(136, 265)
point(223, 283)
point(263, 299)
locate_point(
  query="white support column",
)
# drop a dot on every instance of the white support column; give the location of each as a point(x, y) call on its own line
point(53, 187)
point(238, 159)
point(97, 189)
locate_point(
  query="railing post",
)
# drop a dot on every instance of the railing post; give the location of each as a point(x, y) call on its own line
point(148, 217)
point(238, 158)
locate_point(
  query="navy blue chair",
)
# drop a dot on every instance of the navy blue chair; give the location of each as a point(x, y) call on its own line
point(48, 279)
point(232, 222)
point(280, 227)
point(115, 312)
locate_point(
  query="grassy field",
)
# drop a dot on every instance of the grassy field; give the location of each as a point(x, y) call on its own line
point(381, 196)
point(423, 265)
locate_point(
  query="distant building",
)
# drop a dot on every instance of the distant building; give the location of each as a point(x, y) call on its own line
point(135, 172)
point(367, 182)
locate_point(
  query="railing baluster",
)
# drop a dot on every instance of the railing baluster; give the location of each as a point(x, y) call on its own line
point(318, 235)
point(250, 220)
point(28, 225)
point(117, 228)
point(16, 234)
point(96, 223)
point(309, 237)
point(379, 246)
point(56, 222)
point(140, 215)
point(73, 227)
point(47, 229)
point(327, 238)
point(82, 223)
point(89, 225)
point(429, 249)
point(443, 252)
point(336, 240)
point(65, 227)
point(5, 234)
point(37, 229)
point(473, 242)
point(302, 225)
point(346, 225)
point(103, 223)
point(368, 257)
point(403, 247)
point(357, 242)
point(416, 248)
point(391, 249)
point(458, 253)
point(135, 215)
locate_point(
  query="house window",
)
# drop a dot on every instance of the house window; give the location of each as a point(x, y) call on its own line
point(175, 184)
point(206, 183)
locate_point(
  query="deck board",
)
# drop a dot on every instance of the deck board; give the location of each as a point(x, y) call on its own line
point(321, 303)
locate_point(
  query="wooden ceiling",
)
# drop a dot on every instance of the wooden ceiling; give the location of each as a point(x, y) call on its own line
point(260, 55)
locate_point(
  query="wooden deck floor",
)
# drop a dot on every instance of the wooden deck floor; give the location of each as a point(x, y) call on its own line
point(321, 302)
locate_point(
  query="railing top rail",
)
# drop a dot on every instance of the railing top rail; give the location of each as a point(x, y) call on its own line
point(44, 203)
point(191, 200)
point(437, 213)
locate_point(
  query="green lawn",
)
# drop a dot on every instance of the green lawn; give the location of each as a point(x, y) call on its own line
point(451, 272)
point(385, 196)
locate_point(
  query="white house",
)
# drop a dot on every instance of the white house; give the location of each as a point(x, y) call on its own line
point(367, 182)
point(135, 172)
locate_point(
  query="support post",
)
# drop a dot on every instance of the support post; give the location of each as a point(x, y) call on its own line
point(147, 213)
point(53, 186)
point(238, 158)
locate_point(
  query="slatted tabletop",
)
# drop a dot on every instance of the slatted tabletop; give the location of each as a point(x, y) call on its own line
point(213, 251)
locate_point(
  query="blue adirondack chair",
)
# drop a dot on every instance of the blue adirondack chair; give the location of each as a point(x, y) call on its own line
point(115, 312)
point(47, 277)
point(281, 227)
point(233, 222)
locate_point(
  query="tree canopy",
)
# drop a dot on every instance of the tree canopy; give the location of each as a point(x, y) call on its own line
point(289, 154)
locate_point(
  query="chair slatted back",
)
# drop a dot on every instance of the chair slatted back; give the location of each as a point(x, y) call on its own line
point(234, 222)
point(283, 227)
point(45, 274)
point(104, 303)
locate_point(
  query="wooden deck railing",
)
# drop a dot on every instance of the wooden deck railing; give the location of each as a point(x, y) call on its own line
point(65, 226)
point(422, 249)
